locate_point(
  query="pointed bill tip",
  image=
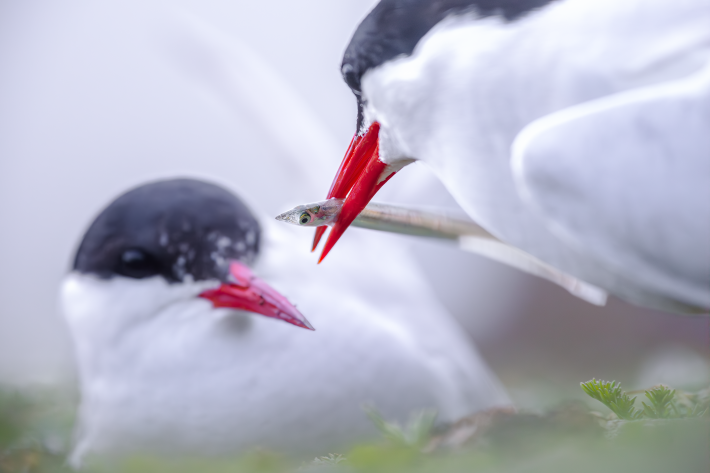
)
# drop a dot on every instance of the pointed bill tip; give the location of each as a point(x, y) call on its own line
point(244, 291)
point(307, 325)
point(333, 237)
point(320, 231)
point(356, 182)
point(293, 316)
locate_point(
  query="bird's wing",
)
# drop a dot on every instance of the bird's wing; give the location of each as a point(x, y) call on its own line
point(474, 238)
point(496, 250)
point(626, 180)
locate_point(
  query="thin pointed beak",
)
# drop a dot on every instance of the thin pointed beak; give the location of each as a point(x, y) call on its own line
point(338, 189)
point(360, 176)
point(318, 235)
point(247, 292)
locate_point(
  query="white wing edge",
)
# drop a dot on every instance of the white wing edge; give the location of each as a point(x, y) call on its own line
point(516, 258)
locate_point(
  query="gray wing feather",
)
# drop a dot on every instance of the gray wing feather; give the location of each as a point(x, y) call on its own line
point(626, 180)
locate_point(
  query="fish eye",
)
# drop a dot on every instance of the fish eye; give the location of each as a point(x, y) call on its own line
point(304, 218)
point(137, 264)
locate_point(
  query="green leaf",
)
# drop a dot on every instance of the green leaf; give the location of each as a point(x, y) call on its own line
point(662, 406)
point(611, 395)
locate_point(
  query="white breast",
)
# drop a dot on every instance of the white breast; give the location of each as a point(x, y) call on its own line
point(192, 379)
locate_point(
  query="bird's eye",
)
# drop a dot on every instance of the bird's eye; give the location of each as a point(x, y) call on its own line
point(304, 218)
point(137, 264)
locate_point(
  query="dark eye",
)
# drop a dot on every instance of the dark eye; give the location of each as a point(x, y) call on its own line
point(137, 264)
point(304, 218)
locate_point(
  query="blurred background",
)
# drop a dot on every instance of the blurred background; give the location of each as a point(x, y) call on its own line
point(97, 97)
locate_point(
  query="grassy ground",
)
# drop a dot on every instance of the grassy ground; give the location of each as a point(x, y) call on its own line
point(35, 434)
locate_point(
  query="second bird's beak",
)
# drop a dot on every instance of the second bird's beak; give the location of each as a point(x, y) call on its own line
point(244, 291)
point(359, 177)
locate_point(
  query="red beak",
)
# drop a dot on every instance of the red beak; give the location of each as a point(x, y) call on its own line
point(359, 177)
point(247, 292)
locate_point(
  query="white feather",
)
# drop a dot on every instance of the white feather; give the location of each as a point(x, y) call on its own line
point(472, 85)
point(161, 371)
point(625, 179)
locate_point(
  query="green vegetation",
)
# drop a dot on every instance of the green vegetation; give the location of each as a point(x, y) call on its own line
point(660, 430)
point(611, 395)
point(663, 401)
point(416, 434)
point(35, 431)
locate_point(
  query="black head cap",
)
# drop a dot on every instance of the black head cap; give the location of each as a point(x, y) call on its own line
point(172, 228)
point(394, 27)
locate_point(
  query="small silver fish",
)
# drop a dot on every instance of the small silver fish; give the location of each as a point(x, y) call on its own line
point(325, 212)
point(387, 218)
point(436, 223)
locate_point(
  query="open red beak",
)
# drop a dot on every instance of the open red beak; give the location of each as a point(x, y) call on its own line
point(359, 177)
point(247, 292)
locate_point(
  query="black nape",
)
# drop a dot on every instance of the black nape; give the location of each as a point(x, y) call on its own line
point(394, 27)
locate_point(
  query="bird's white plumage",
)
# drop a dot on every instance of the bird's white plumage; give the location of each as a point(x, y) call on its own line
point(473, 86)
point(647, 149)
point(162, 371)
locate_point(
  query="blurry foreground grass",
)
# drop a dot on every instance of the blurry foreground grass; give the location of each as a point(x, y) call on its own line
point(35, 430)
point(670, 433)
